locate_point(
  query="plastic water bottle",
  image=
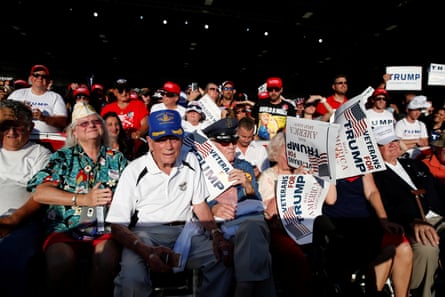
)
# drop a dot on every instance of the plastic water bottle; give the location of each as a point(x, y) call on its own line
point(100, 215)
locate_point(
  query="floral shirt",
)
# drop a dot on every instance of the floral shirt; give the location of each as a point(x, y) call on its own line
point(72, 170)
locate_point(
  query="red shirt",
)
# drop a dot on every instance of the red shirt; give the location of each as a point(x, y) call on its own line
point(436, 168)
point(321, 109)
point(131, 116)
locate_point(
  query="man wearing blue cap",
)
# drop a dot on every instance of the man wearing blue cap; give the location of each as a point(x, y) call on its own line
point(241, 208)
point(157, 194)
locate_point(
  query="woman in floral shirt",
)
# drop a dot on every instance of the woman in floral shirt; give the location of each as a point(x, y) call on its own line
point(77, 185)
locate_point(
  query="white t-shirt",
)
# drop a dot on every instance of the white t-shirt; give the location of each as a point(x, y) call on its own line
point(188, 127)
point(407, 131)
point(50, 103)
point(161, 106)
point(16, 168)
point(256, 154)
point(380, 119)
point(159, 198)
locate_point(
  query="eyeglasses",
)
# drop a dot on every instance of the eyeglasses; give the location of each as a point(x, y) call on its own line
point(170, 95)
point(272, 89)
point(341, 82)
point(87, 123)
point(38, 75)
point(82, 97)
point(228, 88)
point(379, 98)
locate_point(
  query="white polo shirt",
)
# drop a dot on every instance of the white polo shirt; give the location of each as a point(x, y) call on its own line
point(159, 198)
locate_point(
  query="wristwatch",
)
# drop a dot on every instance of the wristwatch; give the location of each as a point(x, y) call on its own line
point(74, 200)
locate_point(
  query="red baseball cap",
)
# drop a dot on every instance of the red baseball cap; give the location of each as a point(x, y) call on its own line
point(379, 92)
point(171, 87)
point(81, 91)
point(263, 95)
point(97, 87)
point(39, 67)
point(20, 83)
point(274, 82)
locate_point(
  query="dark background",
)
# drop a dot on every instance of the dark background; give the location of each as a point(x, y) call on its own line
point(360, 38)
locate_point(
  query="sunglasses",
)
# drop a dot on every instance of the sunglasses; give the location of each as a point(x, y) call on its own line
point(82, 97)
point(228, 88)
point(241, 111)
point(17, 129)
point(379, 98)
point(170, 95)
point(122, 89)
point(310, 104)
point(272, 89)
point(87, 123)
point(227, 143)
point(38, 75)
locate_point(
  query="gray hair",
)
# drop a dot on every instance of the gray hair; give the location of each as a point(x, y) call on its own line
point(274, 146)
point(71, 140)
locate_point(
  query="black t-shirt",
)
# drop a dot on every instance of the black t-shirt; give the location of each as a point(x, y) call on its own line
point(271, 117)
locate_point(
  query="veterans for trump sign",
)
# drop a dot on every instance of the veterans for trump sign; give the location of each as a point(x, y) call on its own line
point(356, 150)
point(210, 109)
point(312, 143)
point(299, 202)
point(214, 165)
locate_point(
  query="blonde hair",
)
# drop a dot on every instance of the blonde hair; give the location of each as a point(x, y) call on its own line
point(71, 140)
point(274, 146)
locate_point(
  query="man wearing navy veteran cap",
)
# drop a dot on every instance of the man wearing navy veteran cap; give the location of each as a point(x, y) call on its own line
point(164, 189)
point(253, 274)
point(165, 123)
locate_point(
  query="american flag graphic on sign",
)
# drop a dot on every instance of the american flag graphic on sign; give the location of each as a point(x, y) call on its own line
point(293, 224)
point(357, 117)
point(189, 141)
point(317, 163)
point(202, 145)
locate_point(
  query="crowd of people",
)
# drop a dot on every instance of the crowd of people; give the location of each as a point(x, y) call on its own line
point(122, 192)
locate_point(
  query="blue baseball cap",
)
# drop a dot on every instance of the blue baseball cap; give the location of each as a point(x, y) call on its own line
point(163, 123)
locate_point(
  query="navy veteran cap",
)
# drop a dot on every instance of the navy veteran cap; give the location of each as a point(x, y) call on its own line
point(223, 130)
point(164, 123)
